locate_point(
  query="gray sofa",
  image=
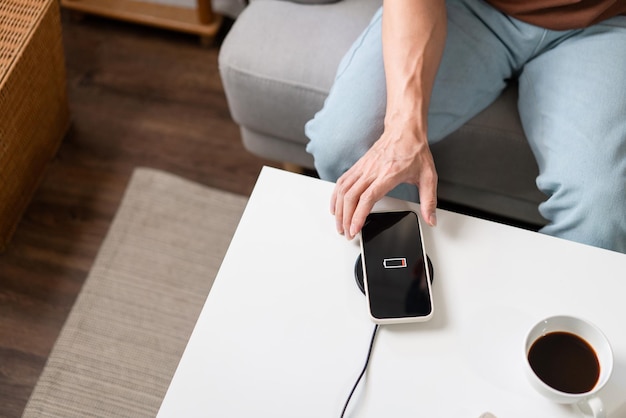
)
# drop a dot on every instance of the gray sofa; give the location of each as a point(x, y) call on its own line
point(278, 62)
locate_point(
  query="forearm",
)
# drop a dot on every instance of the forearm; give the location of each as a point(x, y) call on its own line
point(413, 37)
point(414, 33)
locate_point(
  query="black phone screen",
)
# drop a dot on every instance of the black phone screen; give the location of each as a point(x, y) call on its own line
point(395, 266)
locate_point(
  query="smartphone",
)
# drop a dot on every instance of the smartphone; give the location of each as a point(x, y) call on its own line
point(395, 273)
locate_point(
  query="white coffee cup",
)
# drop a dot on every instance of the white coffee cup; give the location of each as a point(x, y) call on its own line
point(587, 402)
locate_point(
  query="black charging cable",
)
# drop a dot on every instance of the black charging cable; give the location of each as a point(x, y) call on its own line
point(367, 361)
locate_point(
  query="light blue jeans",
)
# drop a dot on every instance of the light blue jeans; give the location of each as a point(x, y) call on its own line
point(572, 103)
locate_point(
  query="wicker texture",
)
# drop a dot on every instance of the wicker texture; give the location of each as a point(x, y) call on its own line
point(34, 113)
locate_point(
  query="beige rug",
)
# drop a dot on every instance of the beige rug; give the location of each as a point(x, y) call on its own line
point(128, 329)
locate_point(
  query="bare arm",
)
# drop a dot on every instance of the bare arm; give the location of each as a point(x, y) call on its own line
point(413, 36)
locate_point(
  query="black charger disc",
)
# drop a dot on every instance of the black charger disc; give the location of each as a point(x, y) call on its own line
point(358, 272)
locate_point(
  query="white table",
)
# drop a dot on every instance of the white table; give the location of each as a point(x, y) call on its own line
point(285, 331)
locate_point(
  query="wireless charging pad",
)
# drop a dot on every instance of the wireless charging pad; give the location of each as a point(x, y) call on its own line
point(358, 272)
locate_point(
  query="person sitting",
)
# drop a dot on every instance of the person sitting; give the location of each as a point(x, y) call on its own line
point(421, 69)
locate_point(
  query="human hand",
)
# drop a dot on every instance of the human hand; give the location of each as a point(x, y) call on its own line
point(394, 159)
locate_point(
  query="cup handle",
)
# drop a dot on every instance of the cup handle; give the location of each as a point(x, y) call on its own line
point(591, 408)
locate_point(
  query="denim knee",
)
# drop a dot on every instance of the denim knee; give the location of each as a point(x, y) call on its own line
point(589, 209)
point(337, 143)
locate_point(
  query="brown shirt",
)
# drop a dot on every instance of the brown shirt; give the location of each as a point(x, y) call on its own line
point(561, 14)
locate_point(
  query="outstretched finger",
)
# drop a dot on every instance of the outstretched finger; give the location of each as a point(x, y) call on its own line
point(352, 200)
point(367, 200)
point(344, 186)
point(428, 198)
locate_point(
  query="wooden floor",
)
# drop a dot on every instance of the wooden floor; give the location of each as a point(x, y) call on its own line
point(138, 97)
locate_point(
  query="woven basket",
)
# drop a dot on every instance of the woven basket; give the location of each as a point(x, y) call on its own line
point(34, 113)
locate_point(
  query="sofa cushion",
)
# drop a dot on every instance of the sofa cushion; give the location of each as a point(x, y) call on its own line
point(230, 8)
point(233, 8)
point(255, 79)
point(487, 164)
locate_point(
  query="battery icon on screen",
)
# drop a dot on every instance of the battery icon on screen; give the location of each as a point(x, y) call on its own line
point(394, 263)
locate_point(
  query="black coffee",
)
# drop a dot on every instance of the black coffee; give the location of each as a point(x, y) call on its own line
point(565, 362)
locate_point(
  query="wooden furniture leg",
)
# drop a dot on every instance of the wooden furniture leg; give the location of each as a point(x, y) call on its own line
point(201, 21)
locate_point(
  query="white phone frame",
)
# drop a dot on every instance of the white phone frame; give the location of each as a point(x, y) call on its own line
point(408, 319)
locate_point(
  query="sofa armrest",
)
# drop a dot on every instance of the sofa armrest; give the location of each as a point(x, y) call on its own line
point(232, 8)
point(229, 8)
point(313, 1)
